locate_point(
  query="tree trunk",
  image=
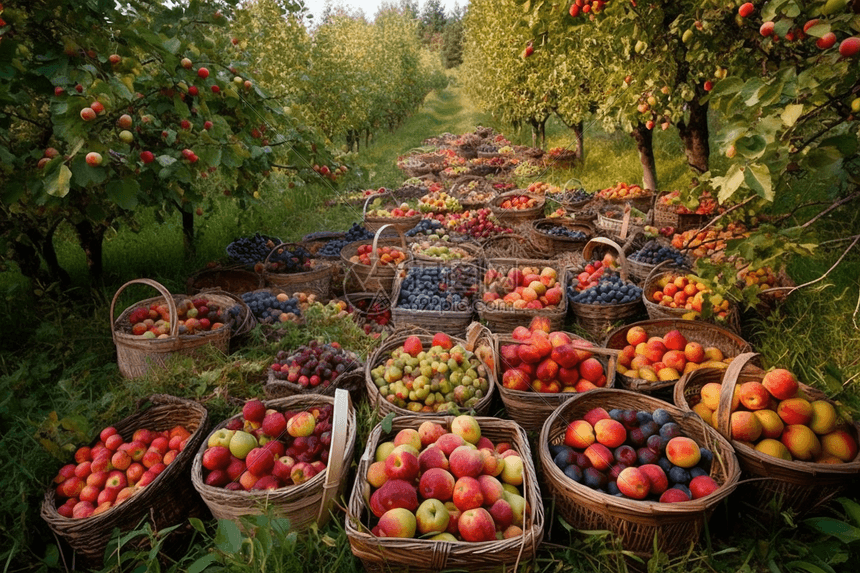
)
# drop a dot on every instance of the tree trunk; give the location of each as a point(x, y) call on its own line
point(644, 144)
point(27, 257)
point(91, 237)
point(694, 134)
point(188, 232)
point(578, 134)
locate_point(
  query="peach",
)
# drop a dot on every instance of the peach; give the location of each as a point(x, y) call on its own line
point(665, 374)
point(626, 355)
point(647, 373)
point(839, 444)
point(683, 452)
point(674, 340)
point(710, 394)
point(521, 333)
point(610, 433)
point(409, 436)
point(694, 352)
point(429, 432)
point(559, 338)
point(675, 359)
point(771, 424)
point(701, 486)
point(781, 384)
point(579, 434)
point(745, 426)
point(540, 323)
point(704, 412)
point(654, 350)
point(601, 457)
point(585, 385)
point(596, 414)
point(714, 354)
point(592, 370)
point(773, 448)
point(633, 483)
point(824, 417)
point(795, 411)
point(801, 442)
point(674, 495)
point(636, 335)
point(754, 396)
point(639, 361)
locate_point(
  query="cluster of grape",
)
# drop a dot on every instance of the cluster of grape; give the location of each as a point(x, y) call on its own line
point(269, 308)
point(425, 227)
point(653, 252)
point(609, 290)
point(251, 250)
point(355, 233)
point(438, 289)
point(290, 260)
point(565, 232)
point(573, 196)
point(488, 148)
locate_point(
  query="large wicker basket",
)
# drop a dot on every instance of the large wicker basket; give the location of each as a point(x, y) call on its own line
point(401, 224)
point(168, 500)
point(136, 355)
point(642, 525)
point(380, 554)
point(640, 271)
point(515, 217)
point(376, 276)
point(316, 280)
point(802, 486)
point(550, 245)
point(530, 409)
point(504, 319)
point(482, 185)
point(598, 319)
point(302, 504)
point(383, 406)
point(668, 216)
point(351, 380)
point(706, 334)
point(233, 278)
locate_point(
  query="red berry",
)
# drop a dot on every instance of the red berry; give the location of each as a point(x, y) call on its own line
point(203, 73)
point(193, 90)
point(746, 9)
point(147, 156)
point(849, 47)
point(215, 89)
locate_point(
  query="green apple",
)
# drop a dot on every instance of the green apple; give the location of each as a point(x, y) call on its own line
point(241, 443)
point(126, 136)
point(220, 438)
point(383, 449)
point(512, 473)
point(518, 506)
point(432, 517)
point(443, 537)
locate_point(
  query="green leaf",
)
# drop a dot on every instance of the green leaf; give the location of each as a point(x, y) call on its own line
point(751, 147)
point(210, 156)
point(228, 536)
point(165, 160)
point(197, 524)
point(729, 184)
point(57, 184)
point(791, 113)
point(202, 563)
point(757, 177)
point(172, 45)
point(386, 422)
point(807, 566)
point(845, 532)
point(845, 143)
point(852, 508)
point(124, 192)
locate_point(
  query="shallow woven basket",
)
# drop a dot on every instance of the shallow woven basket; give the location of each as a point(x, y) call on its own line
point(168, 500)
point(657, 311)
point(643, 202)
point(530, 409)
point(233, 278)
point(453, 322)
point(136, 355)
point(802, 486)
point(668, 216)
point(514, 217)
point(400, 224)
point(317, 280)
point(706, 334)
point(303, 504)
point(461, 182)
point(376, 276)
point(351, 380)
point(508, 245)
point(395, 340)
point(474, 251)
point(598, 319)
point(676, 526)
point(615, 228)
point(380, 554)
point(505, 320)
point(550, 245)
point(640, 271)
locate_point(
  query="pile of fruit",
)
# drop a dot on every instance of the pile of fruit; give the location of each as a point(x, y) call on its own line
point(487, 148)
point(654, 252)
point(635, 454)
point(472, 192)
point(492, 162)
point(763, 277)
point(610, 289)
point(523, 287)
point(711, 242)
point(194, 316)
point(375, 313)
point(563, 232)
point(268, 307)
point(441, 289)
point(519, 203)
point(621, 191)
point(707, 204)
point(592, 273)
point(439, 202)
point(559, 213)
point(392, 256)
point(363, 194)
point(549, 362)
point(455, 171)
point(444, 377)
point(652, 231)
point(252, 250)
point(689, 293)
point(442, 252)
point(541, 188)
point(402, 210)
point(478, 224)
point(355, 233)
point(265, 449)
point(662, 358)
point(111, 471)
point(527, 170)
point(313, 364)
point(572, 196)
point(290, 259)
point(431, 228)
point(775, 417)
point(447, 486)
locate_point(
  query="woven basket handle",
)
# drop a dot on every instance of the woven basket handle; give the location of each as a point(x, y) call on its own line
point(162, 290)
point(592, 244)
point(340, 430)
point(374, 257)
point(377, 196)
point(727, 391)
point(652, 273)
point(278, 246)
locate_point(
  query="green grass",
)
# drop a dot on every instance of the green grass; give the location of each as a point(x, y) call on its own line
point(57, 356)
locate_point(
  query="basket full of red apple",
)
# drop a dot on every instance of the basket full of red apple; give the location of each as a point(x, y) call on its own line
point(293, 453)
point(513, 291)
point(793, 443)
point(445, 492)
point(637, 466)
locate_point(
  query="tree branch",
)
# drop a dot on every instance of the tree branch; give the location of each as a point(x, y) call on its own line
point(822, 277)
point(831, 208)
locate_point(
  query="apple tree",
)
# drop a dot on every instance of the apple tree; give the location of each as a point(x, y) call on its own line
point(107, 108)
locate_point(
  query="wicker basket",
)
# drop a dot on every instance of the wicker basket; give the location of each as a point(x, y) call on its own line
point(668, 216)
point(233, 278)
point(531, 409)
point(472, 251)
point(514, 217)
point(400, 224)
point(303, 504)
point(168, 500)
point(376, 276)
point(135, 354)
point(383, 407)
point(453, 322)
point(380, 554)
point(657, 311)
point(642, 202)
point(506, 319)
point(640, 271)
point(706, 334)
point(619, 228)
point(676, 526)
point(352, 381)
point(802, 486)
point(482, 184)
point(317, 280)
point(508, 245)
point(550, 245)
point(598, 319)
